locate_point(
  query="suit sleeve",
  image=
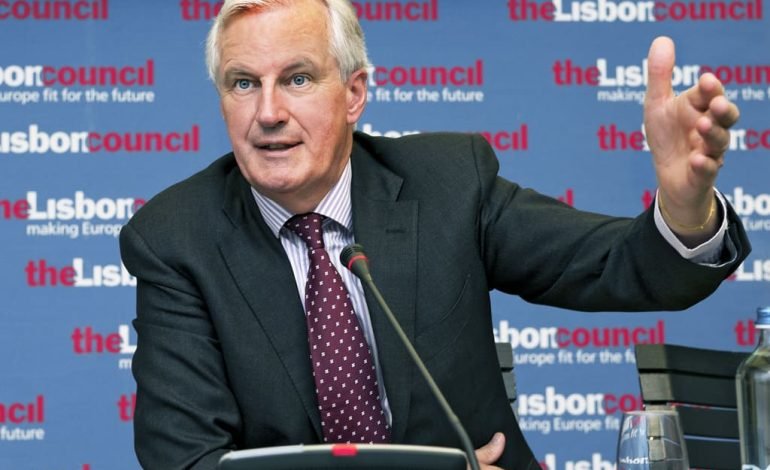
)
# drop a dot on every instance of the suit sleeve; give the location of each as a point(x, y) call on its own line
point(185, 415)
point(549, 253)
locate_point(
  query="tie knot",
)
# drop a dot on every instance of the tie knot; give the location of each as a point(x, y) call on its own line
point(308, 227)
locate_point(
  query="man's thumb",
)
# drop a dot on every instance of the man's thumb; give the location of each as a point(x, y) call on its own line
point(492, 450)
point(660, 67)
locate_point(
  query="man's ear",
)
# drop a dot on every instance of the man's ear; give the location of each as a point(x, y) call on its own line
point(356, 94)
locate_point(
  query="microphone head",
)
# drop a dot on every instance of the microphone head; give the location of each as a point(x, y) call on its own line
point(350, 251)
point(354, 258)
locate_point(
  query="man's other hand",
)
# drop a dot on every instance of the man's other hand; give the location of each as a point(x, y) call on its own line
point(491, 452)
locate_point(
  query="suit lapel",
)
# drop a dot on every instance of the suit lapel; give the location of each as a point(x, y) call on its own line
point(264, 276)
point(387, 228)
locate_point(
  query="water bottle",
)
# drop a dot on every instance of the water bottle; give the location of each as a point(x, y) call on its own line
point(753, 389)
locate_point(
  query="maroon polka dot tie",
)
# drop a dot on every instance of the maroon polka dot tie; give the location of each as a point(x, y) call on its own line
point(343, 369)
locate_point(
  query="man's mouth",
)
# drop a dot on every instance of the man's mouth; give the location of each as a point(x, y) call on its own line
point(276, 146)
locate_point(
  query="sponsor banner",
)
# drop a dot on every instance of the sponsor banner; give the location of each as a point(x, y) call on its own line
point(586, 346)
point(621, 83)
point(753, 208)
point(34, 140)
point(596, 461)
point(639, 11)
point(453, 84)
point(79, 216)
point(23, 420)
point(81, 273)
point(47, 10)
point(553, 412)
point(86, 341)
point(194, 10)
point(70, 84)
point(752, 270)
point(515, 140)
point(404, 10)
point(611, 138)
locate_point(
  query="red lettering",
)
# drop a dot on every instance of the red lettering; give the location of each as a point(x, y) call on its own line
point(126, 407)
point(112, 343)
point(15, 417)
point(637, 335)
point(745, 333)
point(145, 141)
point(79, 10)
point(18, 209)
point(128, 76)
point(94, 142)
point(508, 140)
point(581, 337)
point(138, 203)
point(567, 73)
point(560, 333)
point(48, 75)
point(525, 10)
point(647, 199)
point(625, 402)
point(67, 276)
point(169, 142)
point(612, 138)
point(41, 274)
point(20, 412)
point(87, 341)
point(112, 142)
point(66, 76)
point(568, 198)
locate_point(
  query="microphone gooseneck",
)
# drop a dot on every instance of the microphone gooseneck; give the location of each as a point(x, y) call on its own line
point(354, 258)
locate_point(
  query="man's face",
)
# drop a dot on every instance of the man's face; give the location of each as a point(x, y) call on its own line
point(288, 113)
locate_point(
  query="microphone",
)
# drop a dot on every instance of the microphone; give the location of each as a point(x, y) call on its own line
point(354, 258)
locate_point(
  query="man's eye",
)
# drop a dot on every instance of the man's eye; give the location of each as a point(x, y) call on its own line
point(242, 84)
point(299, 80)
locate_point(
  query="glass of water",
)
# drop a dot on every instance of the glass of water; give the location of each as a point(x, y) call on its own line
point(651, 440)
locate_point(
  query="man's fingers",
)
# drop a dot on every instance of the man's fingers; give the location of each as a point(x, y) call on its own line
point(660, 66)
point(704, 92)
point(724, 112)
point(716, 139)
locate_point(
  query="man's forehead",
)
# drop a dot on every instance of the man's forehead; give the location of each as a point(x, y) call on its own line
point(236, 67)
point(307, 25)
point(312, 7)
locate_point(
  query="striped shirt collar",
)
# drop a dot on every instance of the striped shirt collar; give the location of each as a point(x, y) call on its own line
point(336, 205)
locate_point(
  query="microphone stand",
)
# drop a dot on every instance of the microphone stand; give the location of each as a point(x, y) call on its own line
point(354, 258)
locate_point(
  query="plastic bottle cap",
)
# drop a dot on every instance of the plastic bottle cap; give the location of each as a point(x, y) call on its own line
point(763, 317)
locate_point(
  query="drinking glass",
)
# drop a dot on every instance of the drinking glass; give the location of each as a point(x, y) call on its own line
point(651, 440)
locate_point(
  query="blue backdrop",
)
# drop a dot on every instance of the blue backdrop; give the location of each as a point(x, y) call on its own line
point(104, 103)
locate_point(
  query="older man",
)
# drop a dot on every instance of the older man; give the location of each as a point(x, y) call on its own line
point(237, 332)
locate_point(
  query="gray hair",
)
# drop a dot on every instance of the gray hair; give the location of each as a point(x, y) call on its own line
point(347, 44)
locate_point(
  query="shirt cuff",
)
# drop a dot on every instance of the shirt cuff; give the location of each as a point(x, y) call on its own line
point(708, 252)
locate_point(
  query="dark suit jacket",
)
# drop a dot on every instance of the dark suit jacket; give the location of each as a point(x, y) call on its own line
point(222, 357)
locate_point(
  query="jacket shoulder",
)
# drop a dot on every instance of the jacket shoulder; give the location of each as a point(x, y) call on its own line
point(429, 152)
point(190, 199)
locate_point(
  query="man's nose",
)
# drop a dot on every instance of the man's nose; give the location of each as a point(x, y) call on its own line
point(271, 108)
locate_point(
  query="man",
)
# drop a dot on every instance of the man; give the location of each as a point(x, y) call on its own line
point(222, 360)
